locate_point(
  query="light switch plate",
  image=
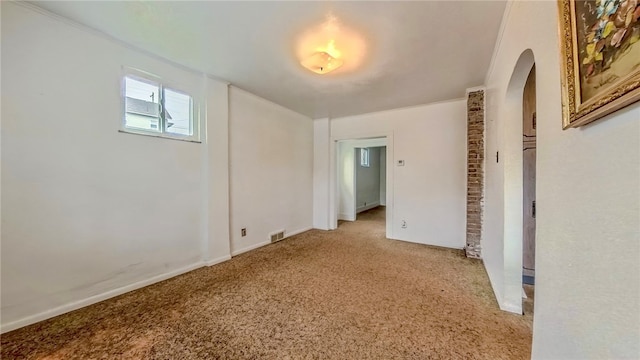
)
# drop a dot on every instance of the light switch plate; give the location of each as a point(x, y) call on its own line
point(400, 162)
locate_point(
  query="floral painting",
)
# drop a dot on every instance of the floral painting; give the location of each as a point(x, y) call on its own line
point(601, 50)
point(608, 34)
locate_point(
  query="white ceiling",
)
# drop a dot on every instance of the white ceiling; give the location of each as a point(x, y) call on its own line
point(416, 52)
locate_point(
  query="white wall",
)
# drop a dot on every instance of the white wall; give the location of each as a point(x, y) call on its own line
point(215, 174)
point(90, 213)
point(368, 180)
point(321, 138)
point(271, 169)
point(588, 205)
point(88, 210)
point(429, 192)
point(383, 176)
point(346, 181)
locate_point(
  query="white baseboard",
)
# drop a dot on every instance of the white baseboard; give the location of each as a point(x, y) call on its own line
point(75, 305)
point(368, 207)
point(346, 217)
point(496, 293)
point(512, 308)
point(259, 245)
point(217, 260)
point(249, 248)
point(32, 319)
point(294, 233)
point(504, 306)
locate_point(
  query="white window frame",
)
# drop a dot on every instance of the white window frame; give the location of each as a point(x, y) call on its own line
point(162, 84)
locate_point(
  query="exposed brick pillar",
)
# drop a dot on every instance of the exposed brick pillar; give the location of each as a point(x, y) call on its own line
point(475, 172)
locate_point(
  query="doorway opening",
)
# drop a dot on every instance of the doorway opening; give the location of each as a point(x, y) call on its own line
point(518, 203)
point(529, 124)
point(362, 182)
point(370, 186)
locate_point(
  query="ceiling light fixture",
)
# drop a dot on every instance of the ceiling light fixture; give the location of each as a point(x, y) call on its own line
point(324, 60)
point(321, 63)
point(330, 47)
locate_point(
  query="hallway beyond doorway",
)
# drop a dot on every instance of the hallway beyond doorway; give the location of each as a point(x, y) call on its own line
point(372, 221)
point(376, 216)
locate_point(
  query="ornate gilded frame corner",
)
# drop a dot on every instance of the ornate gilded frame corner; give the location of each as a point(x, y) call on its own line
point(575, 113)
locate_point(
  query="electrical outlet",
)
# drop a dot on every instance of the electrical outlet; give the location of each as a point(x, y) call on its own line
point(403, 224)
point(243, 232)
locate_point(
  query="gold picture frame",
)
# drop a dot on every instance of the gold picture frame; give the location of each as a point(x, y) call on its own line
point(600, 50)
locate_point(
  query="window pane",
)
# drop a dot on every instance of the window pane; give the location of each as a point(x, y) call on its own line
point(364, 157)
point(177, 113)
point(142, 104)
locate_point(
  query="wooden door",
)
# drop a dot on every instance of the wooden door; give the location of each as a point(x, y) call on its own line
point(529, 221)
point(529, 176)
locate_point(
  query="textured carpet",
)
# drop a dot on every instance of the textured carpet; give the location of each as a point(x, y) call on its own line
point(343, 294)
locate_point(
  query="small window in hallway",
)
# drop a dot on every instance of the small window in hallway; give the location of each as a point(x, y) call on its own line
point(364, 157)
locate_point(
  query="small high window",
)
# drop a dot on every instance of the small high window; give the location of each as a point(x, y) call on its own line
point(364, 157)
point(151, 108)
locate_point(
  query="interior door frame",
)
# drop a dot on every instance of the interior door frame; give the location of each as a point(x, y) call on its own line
point(333, 176)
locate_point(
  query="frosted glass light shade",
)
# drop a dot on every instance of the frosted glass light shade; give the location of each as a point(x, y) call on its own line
point(321, 63)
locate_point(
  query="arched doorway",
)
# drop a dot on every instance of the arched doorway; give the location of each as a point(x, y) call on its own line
point(514, 174)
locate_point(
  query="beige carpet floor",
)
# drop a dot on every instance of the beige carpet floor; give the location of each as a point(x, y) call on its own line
point(343, 294)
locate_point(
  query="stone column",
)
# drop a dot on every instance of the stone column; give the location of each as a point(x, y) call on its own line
point(475, 172)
